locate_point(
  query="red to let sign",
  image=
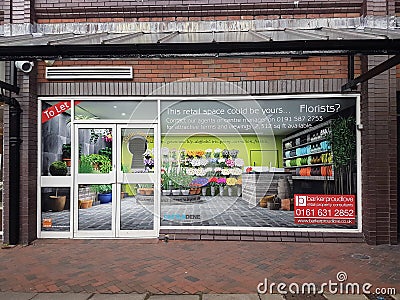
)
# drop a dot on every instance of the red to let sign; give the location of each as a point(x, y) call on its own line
point(56, 109)
point(324, 209)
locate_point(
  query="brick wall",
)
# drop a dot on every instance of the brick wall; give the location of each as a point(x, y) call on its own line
point(3, 6)
point(19, 12)
point(380, 8)
point(379, 158)
point(182, 10)
point(226, 69)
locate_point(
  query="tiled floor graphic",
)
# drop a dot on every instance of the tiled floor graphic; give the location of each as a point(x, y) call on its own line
point(212, 211)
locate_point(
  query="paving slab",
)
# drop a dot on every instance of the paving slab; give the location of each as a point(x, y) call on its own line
point(174, 297)
point(230, 297)
point(344, 297)
point(242, 297)
point(16, 296)
point(62, 296)
point(271, 297)
point(118, 297)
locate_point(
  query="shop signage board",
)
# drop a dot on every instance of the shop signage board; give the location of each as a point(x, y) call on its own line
point(56, 110)
point(324, 209)
point(248, 116)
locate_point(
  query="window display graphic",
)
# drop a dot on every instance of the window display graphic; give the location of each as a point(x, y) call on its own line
point(246, 159)
point(223, 162)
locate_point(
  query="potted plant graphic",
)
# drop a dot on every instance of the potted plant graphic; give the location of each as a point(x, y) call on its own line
point(148, 160)
point(185, 181)
point(146, 189)
point(239, 186)
point(175, 184)
point(199, 184)
point(58, 168)
point(166, 191)
point(107, 151)
point(343, 143)
point(213, 182)
point(104, 192)
point(57, 203)
point(221, 183)
point(100, 163)
point(66, 154)
point(231, 181)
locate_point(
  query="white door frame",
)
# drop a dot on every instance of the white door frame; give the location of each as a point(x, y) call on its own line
point(123, 178)
point(116, 177)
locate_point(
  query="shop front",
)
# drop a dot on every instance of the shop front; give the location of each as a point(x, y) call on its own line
point(118, 167)
point(211, 123)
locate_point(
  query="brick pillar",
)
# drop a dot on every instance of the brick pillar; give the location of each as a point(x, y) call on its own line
point(18, 11)
point(18, 17)
point(379, 157)
point(6, 170)
point(5, 7)
point(28, 167)
point(379, 7)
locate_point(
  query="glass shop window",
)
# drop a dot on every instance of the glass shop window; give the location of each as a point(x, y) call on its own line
point(56, 139)
point(55, 209)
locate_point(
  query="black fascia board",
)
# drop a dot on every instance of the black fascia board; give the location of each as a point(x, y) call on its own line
point(364, 46)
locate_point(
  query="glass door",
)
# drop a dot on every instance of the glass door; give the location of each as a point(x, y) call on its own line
point(116, 180)
point(95, 193)
point(137, 181)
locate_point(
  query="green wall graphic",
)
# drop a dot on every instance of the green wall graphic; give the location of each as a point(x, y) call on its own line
point(263, 149)
point(243, 143)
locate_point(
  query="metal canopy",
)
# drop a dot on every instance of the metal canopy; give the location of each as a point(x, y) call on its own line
point(317, 41)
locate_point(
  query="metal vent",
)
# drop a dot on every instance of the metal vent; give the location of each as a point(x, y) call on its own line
point(89, 73)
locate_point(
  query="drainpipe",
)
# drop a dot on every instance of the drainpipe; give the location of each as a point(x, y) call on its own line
point(14, 165)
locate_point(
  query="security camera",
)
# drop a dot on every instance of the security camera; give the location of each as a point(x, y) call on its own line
point(24, 66)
